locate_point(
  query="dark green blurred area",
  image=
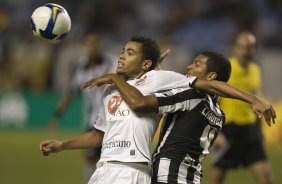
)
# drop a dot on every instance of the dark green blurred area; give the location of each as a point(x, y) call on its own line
point(28, 109)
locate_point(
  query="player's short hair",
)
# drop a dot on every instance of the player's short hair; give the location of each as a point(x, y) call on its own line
point(150, 49)
point(218, 63)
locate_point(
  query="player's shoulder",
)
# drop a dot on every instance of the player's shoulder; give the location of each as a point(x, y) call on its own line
point(166, 73)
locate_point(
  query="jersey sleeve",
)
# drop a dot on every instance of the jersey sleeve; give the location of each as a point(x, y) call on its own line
point(178, 99)
point(166, 80)
point(100, 122)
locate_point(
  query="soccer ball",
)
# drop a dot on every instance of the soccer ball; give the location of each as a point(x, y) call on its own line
point(50, 22)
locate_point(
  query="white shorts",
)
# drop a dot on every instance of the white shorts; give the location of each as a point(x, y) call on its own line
point(121, 173)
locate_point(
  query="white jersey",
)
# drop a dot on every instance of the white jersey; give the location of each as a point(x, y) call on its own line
point(91, 97)
point(127, 134)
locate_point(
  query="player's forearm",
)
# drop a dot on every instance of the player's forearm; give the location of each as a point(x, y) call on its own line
point(130, 94)
point(90, 139)
point(134, 98)
point(225, 90)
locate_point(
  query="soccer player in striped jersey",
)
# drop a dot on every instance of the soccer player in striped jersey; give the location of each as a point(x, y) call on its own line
point(193, 118)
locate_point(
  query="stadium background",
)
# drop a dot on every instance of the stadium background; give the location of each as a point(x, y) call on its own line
point(33, 74)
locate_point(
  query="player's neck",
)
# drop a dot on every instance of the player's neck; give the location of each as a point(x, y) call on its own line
point(136, 76)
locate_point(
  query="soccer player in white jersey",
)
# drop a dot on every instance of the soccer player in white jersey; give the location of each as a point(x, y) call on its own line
point(194, 118)
point(125, 136)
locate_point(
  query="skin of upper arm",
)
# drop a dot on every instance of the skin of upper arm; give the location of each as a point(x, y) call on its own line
point(201, 85)
point(210, 87)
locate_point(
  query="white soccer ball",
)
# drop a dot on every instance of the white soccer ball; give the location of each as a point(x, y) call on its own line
point(50, 22)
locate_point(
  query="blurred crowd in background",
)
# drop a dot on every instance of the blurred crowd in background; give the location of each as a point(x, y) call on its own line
point(184, 26)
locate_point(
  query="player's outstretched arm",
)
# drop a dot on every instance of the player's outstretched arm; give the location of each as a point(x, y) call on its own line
point(132, 96)
point(138, 102)
point(90, 139)
point(260, 107)
point(99, 81)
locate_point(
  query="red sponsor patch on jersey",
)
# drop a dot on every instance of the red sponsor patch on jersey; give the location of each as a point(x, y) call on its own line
point(113, 104)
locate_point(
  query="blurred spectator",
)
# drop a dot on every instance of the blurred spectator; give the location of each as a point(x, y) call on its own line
point(188, 26)
point(240, 143)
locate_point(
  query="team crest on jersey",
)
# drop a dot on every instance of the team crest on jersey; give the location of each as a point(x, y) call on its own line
point(141, 81)
point(113, 104)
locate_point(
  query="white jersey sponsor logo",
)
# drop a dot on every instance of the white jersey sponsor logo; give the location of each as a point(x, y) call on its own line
point(117, 144)
point(212, 118)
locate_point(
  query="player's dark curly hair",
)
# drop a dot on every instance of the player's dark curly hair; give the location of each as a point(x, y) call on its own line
point(219, 64)
point(150, 49)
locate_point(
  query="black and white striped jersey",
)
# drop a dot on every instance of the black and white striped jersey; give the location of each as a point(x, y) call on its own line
point(191, 124)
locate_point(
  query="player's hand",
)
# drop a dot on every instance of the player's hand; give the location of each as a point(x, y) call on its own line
point(264, 109)
point(50, 146)
point(104, 79)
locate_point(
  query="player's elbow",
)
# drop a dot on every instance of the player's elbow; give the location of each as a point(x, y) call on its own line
point(138, 105)
point(145, 106)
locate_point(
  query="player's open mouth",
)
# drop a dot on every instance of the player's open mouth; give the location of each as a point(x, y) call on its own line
point(120, 64)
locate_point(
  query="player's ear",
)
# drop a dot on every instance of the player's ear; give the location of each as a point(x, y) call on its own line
point(147, 64)
point(211, 76)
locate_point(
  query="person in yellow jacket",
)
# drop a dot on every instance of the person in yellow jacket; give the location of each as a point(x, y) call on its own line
point(241, 142)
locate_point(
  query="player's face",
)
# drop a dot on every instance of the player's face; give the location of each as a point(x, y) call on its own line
point(130, 61)
point(198, 68)
point(244, 48)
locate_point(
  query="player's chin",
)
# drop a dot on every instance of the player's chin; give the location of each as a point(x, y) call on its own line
point(119, 71)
